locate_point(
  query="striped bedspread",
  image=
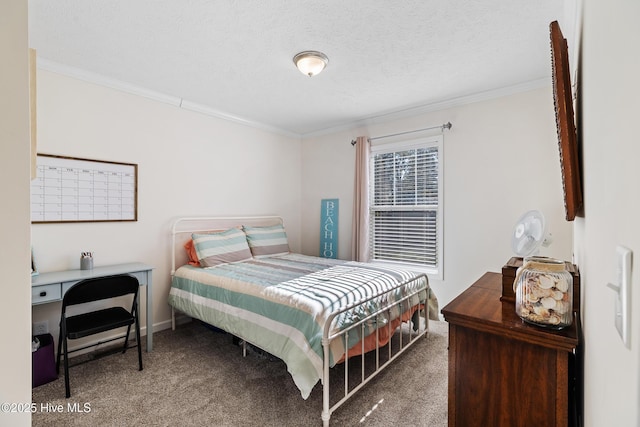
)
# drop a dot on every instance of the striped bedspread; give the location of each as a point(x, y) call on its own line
point(282, 303)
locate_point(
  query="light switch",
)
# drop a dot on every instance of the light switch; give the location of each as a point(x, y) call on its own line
point(622, 287)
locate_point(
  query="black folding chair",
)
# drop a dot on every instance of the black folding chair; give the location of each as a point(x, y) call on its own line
point(94, 322)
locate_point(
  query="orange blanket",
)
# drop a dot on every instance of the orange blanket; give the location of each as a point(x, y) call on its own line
point(383, 336)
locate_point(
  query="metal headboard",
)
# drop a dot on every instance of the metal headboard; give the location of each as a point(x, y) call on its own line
point(183, 228)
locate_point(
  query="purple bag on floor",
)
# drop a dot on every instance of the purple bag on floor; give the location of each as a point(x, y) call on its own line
point(43, 363)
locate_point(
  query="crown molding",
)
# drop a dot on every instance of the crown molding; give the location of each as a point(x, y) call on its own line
point(102, 80)
point(436, 106)
point(119, 85)
point(203, 109)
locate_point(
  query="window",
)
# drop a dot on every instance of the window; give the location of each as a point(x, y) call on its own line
point(406, 203)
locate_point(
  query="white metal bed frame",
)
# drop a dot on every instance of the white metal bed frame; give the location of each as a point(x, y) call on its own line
point(422, 327)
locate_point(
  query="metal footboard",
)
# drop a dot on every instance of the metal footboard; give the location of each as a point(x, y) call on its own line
point(419, 330)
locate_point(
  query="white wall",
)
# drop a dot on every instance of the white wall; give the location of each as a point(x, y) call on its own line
point(15, 286)
point(188, 164)
point(500, 160)
point(609, 97)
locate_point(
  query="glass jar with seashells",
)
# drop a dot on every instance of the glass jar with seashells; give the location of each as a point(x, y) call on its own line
point(544, 292)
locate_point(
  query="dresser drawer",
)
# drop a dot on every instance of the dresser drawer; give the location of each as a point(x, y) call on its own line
point(46, 293)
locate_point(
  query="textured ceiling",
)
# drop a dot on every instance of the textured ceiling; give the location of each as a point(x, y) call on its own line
point(234, 57)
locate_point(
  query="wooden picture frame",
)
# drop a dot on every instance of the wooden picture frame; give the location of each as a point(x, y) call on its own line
point(565, 124)
point(73, 189)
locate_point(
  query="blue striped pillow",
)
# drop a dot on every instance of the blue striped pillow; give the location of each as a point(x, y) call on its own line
point(270, 240)
point(222, 247)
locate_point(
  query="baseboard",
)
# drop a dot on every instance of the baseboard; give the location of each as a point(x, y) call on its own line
point(157, 327)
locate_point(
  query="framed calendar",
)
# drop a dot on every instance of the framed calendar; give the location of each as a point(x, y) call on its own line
point(71, 189)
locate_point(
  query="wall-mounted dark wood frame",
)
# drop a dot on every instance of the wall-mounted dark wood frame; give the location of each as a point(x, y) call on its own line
point(73, 168)
point(565, 124)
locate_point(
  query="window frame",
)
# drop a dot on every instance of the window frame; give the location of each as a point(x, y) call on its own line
point(434, 141)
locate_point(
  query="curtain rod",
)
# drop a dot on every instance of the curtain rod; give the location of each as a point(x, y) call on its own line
point(443, 127)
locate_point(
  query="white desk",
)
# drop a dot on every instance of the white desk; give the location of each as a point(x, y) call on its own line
point(50, 287)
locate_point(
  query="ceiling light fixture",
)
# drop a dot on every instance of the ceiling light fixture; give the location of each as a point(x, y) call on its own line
point(310, 62)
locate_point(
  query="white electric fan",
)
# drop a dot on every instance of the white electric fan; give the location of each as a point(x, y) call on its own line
point(529, 234)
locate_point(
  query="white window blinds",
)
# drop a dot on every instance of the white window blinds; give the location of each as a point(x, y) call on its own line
point(405, 203)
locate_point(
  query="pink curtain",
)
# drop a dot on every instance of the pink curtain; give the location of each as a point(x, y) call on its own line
point(360, 224)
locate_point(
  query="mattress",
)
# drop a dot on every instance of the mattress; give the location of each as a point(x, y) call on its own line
point(282, 304)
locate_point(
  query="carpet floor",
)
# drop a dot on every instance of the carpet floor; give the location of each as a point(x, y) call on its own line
point(196, 376)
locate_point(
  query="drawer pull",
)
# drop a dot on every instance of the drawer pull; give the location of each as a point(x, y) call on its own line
point(43, 293)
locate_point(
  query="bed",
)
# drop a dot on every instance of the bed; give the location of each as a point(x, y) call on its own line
point(238, 275)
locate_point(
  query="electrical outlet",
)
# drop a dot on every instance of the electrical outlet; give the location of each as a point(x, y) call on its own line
point(40, 328)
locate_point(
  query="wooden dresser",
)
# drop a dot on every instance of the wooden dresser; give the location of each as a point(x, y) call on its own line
point(504, 372)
